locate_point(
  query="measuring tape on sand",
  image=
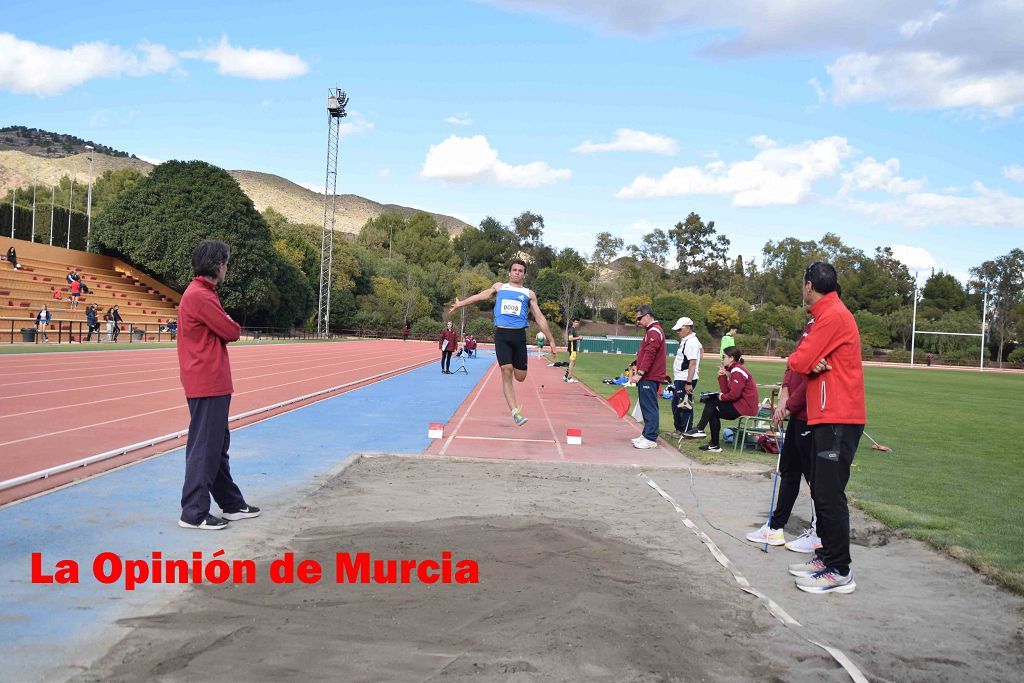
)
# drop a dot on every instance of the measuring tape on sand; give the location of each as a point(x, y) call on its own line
point(772, 606)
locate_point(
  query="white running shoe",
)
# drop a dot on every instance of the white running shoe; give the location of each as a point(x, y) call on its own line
point(807, 542)
point(827, 581)
point(643, 442)
point(813, 566)
point(768, 535)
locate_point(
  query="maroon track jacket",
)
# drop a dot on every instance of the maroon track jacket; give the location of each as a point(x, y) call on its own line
point(651, 358)
point(204, 330)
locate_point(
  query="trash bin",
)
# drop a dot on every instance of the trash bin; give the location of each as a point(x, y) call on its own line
point(28, 334)
point(137, 334)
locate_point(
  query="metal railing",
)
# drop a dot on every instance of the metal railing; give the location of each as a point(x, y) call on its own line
point(25, 331)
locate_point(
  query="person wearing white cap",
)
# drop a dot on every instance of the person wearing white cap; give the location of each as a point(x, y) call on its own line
point(685, 372)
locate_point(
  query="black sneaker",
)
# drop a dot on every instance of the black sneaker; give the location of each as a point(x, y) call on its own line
point(694, 434)
point(211, 523)
point(247, 512)
point(711, 448)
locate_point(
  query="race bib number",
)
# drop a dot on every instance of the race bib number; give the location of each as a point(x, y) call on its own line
point(511, 307)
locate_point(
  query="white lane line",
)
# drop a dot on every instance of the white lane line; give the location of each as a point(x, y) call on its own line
point(469, 409)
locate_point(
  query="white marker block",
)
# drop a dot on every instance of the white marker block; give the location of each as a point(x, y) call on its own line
point(574, 437)
point(436, 430)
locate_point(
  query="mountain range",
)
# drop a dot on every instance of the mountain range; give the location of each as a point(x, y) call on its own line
point(28, 153)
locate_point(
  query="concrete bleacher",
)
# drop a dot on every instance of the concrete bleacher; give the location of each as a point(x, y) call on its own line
point(142, 300)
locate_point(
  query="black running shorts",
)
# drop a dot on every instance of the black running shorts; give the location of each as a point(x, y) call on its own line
point(510, 346)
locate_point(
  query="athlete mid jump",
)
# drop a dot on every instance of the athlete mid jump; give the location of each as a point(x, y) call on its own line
point(514, 301)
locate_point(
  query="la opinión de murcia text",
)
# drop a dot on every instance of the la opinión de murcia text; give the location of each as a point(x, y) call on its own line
point(347, 568)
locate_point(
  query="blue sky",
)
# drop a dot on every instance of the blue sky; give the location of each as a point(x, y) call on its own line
point(889, 123)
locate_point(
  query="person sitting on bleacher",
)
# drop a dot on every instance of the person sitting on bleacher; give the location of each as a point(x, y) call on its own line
point(12, 258)
point(738, 397)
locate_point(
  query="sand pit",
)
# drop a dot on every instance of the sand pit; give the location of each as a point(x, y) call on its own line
point(585, 574)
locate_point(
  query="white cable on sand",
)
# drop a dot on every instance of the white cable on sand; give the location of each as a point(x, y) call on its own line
point(773, 607)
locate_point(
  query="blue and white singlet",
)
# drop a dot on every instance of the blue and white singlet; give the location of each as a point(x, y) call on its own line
point(512, 307)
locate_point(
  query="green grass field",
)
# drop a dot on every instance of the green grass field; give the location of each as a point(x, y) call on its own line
point(956, 473)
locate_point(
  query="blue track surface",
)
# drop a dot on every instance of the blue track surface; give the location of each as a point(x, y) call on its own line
point(134, 511)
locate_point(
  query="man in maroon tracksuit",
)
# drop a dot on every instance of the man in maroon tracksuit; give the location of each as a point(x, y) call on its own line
point(651, 369)
point(795, 462)
point(204, 330)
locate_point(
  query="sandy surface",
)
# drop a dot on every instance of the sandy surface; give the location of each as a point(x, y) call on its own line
point(585, 574)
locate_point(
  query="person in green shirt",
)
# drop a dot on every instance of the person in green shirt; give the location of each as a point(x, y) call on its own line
point(541, 340)
point(728, 339)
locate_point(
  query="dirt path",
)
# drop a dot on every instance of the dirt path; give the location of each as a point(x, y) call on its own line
point(586, 573)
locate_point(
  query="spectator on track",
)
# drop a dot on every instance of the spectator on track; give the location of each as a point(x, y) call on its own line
point(829, 355)
point(92, 322)
point(115, 316)
point(108, 321)
point(728, 339)
point(685, 373)
point(738, 396)
point(650, 370)
point(448, 344)
point(43, 322)
point(405, 331)
point(205, 331)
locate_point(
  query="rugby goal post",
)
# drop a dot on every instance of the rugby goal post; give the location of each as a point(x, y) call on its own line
point(984, 311)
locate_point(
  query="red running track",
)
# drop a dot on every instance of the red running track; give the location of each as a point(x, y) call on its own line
point(483, 427)
point(59, 408)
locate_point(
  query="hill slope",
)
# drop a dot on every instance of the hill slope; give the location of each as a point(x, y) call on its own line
point(299, 205)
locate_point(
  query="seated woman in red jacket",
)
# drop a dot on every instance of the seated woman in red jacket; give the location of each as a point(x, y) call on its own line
point(738, 397)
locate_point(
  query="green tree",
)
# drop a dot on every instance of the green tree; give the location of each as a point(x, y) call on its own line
point(701, 254)
point(873, 329)
point(529, 229)
point(653, 248)
point(1004, 277)
point(156, 224)
point(492, 244)
point(941, 293)
point(111, 184)
point(721, 317)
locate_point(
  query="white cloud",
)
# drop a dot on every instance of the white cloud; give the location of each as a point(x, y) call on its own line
point(928, 54)
point(311, 186)
point(628, 140)
point(924, 80)
point(384, 173)
point(869, 174)
point(914, 258)
point(151, 160)
point(27, 67)
point(460, 119)
point(354, 124)
point(1015, 172)
point(984, 208)
point(473, 160)
point(251, 62)
point(776, 175)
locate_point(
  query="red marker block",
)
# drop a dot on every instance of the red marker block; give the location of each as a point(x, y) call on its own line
point(574, 437)
point(436, 430)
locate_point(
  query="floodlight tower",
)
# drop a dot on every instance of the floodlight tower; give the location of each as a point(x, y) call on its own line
point(336, 102)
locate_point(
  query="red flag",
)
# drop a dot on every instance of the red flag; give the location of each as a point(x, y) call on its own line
point(620, 402)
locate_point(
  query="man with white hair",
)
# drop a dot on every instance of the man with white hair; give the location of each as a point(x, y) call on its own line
point(685, 372)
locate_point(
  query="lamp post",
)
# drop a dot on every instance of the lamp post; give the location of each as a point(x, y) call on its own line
point(53, 203)
point(984, 312)
point(13, 203)
point(71, 195)
point(33, 210)
point(88, 205)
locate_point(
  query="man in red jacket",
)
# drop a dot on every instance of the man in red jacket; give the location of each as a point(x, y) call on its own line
point(651, 370)
point(204, 330)
point(830, 355)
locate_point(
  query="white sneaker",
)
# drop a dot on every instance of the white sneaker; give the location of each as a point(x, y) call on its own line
point(807, 542)
point(768, 535)
point(643, 442)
